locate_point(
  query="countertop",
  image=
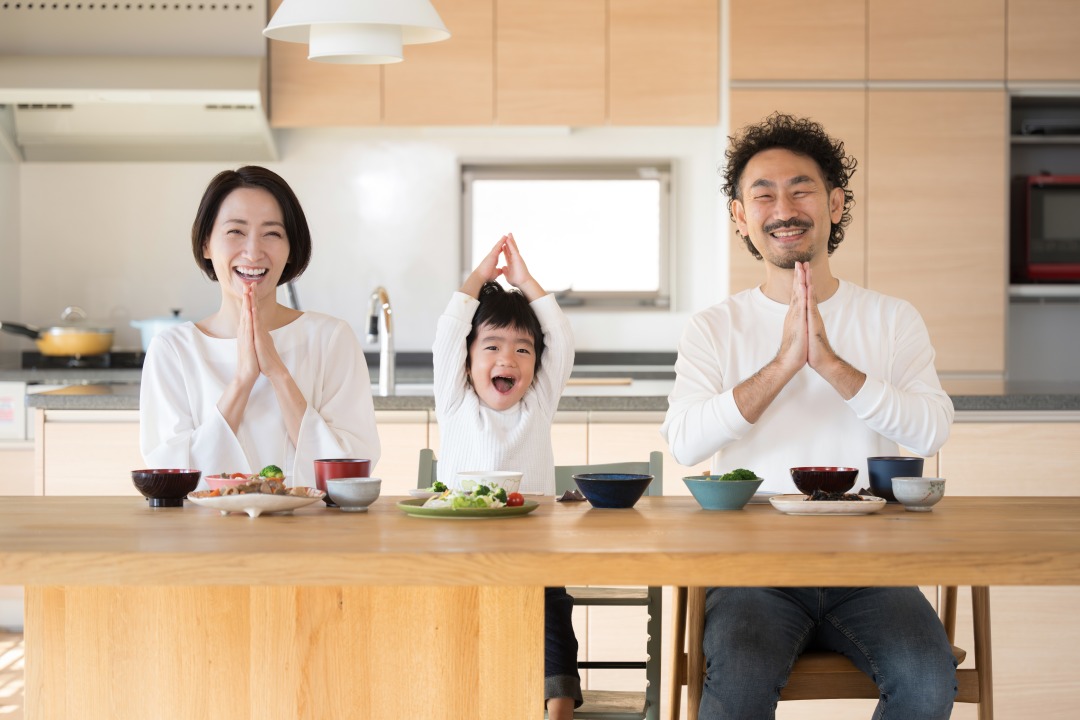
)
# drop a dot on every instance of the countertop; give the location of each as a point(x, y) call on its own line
point(616, 382)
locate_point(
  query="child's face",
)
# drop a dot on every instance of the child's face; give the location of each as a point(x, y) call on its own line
point(501, 365)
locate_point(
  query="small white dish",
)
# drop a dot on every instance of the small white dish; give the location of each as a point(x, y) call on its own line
point(256, 504)
point(800, 505)
point(354, 494)
point(509, 480)
point(918, 494)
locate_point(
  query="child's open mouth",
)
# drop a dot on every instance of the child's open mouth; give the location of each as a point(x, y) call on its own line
point(503, 384)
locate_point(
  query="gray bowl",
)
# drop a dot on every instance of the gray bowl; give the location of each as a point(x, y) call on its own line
point(918, 494)
point(354, 494)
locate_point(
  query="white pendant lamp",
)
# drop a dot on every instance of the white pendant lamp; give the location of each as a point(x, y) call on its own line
point(360, 32)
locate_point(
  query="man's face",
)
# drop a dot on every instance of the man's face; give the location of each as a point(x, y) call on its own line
point(786, 208)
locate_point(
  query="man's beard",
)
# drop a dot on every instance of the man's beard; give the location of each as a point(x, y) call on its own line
point(787, 260)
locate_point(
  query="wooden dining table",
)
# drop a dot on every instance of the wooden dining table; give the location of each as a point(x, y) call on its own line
point(133, 612)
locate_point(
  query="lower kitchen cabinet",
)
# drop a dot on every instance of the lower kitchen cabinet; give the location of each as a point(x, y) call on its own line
point(17, 461)
point(401, 434)
point(87, 452)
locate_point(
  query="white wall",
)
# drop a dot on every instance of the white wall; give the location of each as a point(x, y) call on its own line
point(384, 207)
point(9, 248)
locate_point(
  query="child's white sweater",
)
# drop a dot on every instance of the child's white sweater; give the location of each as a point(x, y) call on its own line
point(473, 436)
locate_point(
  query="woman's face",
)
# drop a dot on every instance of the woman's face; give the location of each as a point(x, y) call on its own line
point(247, 245)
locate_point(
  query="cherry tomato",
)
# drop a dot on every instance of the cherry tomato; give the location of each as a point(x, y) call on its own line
point(515, 500)
point(234, 476)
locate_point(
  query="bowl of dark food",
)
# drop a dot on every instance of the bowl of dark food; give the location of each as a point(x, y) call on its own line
point(730, 491)
point(824, 478)
point(612, 490)
point(165, 487)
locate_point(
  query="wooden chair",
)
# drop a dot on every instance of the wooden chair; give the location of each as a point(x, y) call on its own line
point(607, 704)
point(827, 675)
point(615, 704)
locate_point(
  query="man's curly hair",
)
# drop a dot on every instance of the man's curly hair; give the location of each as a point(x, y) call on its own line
point(801, 136)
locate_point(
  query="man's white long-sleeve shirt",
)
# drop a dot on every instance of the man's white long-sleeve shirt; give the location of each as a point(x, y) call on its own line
point(809, 423)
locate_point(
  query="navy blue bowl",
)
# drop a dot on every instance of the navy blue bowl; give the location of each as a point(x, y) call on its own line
point(612, 490)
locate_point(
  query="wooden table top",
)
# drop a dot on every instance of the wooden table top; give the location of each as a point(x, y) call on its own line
point(663, 541)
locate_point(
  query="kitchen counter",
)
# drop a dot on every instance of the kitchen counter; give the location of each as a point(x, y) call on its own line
point(648, 395)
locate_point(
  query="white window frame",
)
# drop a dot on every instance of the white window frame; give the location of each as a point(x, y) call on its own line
point(659, 299)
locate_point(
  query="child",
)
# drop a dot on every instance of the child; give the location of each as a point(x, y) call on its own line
point(502, 359)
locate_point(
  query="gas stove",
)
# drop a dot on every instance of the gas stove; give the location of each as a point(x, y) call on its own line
point(117, 360)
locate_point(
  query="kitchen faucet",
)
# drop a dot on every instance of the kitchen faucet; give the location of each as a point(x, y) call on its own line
point(379, 313)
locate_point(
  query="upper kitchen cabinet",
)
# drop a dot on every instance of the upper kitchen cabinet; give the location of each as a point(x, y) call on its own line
point(934, 40)
point(937, 216)
point(798, 40)
point(1044, 40)
point(313, 94)
point(552, 62)
point(843, 114)
point(664, 62)
point(450, 82)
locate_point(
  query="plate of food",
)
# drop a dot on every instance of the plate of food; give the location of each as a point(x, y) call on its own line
point(257, 497)
point(845, 505)
point(415, 507)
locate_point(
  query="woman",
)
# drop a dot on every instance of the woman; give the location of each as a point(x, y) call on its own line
point(256, 383)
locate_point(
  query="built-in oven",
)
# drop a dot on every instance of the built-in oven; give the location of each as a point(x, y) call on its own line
point(1045, 244)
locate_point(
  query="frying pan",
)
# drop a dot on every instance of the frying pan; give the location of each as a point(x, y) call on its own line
point(65, 340)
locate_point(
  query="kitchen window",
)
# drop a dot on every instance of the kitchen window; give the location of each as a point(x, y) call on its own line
point(596, 236)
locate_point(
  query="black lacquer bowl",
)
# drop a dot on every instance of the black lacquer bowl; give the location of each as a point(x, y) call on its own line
point(165, 487)
point(826, 479)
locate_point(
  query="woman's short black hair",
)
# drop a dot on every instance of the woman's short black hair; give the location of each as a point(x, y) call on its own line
point(253, 176)
point(801, 136)
point(500, 308)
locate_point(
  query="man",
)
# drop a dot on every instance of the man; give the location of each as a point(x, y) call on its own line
point(808, 369)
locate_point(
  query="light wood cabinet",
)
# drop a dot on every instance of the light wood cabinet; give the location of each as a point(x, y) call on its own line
point(664, 62)
point(1043, 40)
point(796, 40)
point(551, 60)
point(401, 435)
point(1035, 630)
point(843, 114)
point(450, 82)
point(315, 94)
point(17, 475)
point(87, 452)
point(521, 62)
point(933, 40)
point(937, 216)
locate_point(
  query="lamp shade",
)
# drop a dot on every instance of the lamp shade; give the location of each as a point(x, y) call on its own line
point(365, 32)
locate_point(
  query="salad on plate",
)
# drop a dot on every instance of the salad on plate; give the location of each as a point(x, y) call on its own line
point(476, 497)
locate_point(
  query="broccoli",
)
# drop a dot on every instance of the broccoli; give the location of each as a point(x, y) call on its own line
point(739, 474)
point(438, 486)
point(482, 490)
point(271, 471)
point(500, 495)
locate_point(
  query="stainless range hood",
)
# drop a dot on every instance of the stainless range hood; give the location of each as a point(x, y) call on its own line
point(93, 108)
point(134, 82)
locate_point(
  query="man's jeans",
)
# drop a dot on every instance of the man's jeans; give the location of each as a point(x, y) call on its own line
point(754, 635)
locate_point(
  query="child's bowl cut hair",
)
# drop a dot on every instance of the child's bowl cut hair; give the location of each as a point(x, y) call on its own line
point(500, 308)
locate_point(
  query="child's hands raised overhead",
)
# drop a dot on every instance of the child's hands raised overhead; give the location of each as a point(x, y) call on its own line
point(515, 271)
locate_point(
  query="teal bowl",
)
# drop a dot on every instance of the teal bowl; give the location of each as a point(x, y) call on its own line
point(712, 493)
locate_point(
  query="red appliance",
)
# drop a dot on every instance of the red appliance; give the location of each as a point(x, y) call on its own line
point(1046, 229)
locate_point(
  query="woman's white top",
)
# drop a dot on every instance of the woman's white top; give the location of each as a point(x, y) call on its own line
point(185, 373)
point(474, 436)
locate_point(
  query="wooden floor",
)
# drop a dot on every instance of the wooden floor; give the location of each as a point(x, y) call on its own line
point(11, 676)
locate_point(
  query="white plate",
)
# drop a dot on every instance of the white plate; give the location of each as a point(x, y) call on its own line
point(255, 504)
point(799, 505)
point(422, 493)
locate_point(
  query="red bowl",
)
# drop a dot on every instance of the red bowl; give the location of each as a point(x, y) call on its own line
point(824, 478)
